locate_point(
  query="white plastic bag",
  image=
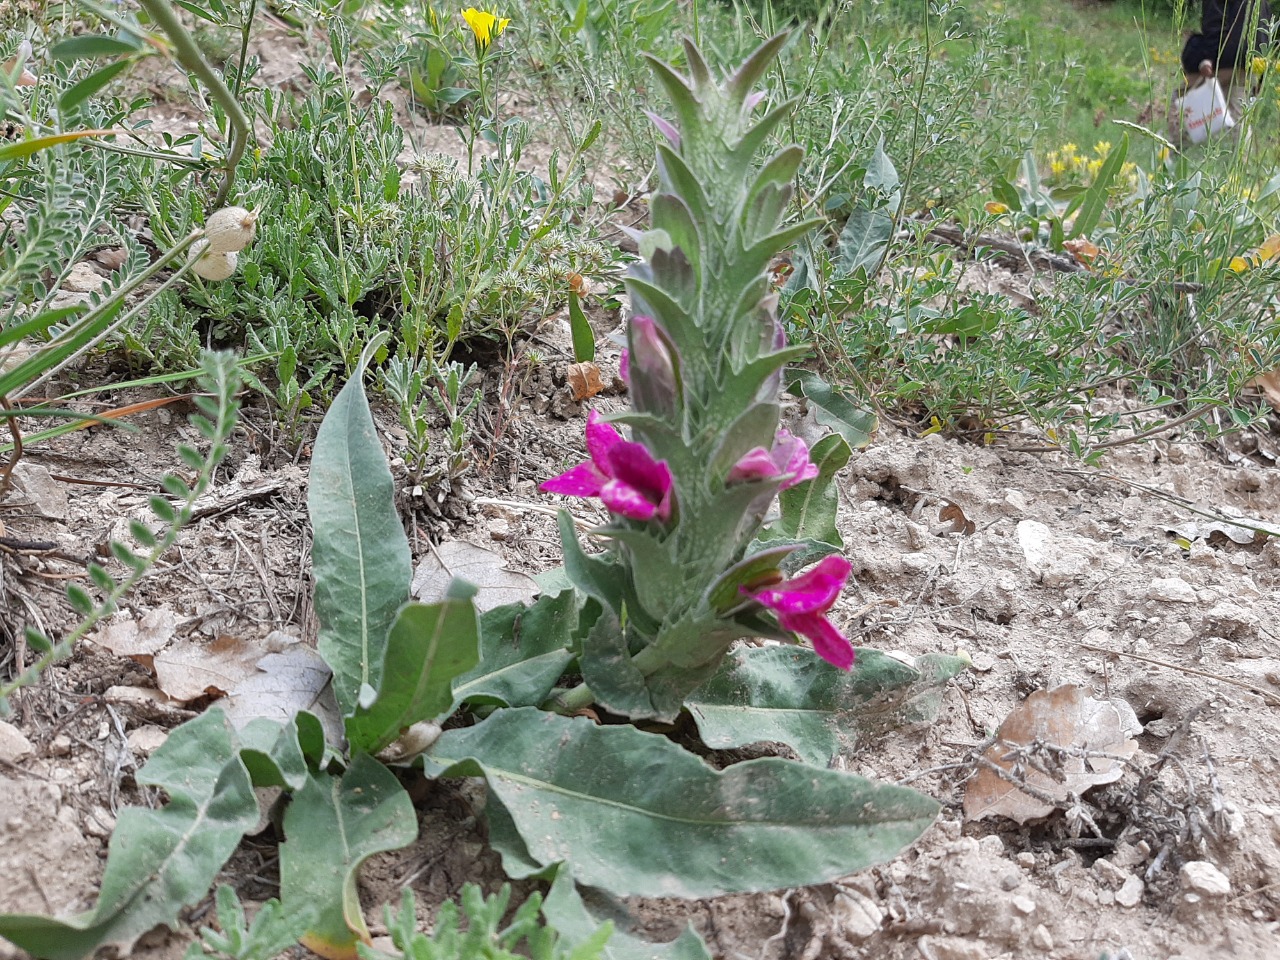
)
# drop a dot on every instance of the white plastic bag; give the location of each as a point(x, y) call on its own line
point(1203, 110)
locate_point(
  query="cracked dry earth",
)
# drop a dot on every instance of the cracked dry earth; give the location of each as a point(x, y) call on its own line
point(1069, 576)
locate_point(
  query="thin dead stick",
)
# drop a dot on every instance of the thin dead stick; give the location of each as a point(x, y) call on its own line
point(582, 525)
point(1190, 506)
point(957, 237)
point(1269, 698)
point(1122, 441)
point(16, 455)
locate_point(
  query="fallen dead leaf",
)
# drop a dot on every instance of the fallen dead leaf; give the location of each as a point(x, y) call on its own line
point(1216, 532)
point(584, 380)
point(1269, 384)
point(188, 669)
point(1085, 251)
point(139, 640)
point(296, 678)
point(482, 568)
point(1062, 717)
point(959, 522)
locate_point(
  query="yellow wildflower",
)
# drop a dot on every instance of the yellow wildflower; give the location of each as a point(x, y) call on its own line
point(1057, 167)
point(1258, 66)
point(486, 26)
point(1163, 155)
point(1094, 166)
point(1102, 147)
point(1069, 149)
point(995, 208)
point(1238, 265)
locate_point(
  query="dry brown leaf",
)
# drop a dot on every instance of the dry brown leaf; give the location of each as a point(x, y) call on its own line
point(188, 669)
point(1062, 717)
point(1085, 251)
point(959, 522)
point(138, 640)
point(1217, 532)
point(584, 380)
point(296, 678)
point(1269, 384)
point(483, 569)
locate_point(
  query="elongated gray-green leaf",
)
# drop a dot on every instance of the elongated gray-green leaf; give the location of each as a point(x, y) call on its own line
point(809, 509)
point(791, 695)
point(332, 826)
point(523, 651)
point(638, 815)
point(359, 555)
point(429, 645)
point(159, 861)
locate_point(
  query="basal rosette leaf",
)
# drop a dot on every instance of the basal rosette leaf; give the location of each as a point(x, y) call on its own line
point(638, 816)
point(428, 646)
point(359, 554)
point(334, 824)
point(566, 910)
point(523, 652)
point(790, 695)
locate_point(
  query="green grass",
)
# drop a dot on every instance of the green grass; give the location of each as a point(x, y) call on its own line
point(1118, 60)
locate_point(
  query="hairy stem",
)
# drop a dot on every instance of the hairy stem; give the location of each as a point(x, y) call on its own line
point(190, 58)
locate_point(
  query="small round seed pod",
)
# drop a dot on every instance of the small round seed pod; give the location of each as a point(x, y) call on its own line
point(215, 266)
point(230, 229)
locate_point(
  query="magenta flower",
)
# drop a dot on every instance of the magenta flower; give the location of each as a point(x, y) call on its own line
point(802, 602)
point(622, 473)
point(789, 457)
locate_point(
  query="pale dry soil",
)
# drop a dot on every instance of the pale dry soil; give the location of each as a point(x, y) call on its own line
point(1113, 578)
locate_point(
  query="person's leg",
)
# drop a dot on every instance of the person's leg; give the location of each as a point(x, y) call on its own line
point(1235, 86)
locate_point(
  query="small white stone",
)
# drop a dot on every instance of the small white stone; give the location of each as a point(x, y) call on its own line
point(144, 740)
point(859, 916)
point(991, 844)
point(1130, 893)
point(1026, 859)
point(1171, 590)
point(82, 278)
point(1109, 873)
point(1202, 877)
point(1041, 937)
point(1024, 905)
point(13, 745)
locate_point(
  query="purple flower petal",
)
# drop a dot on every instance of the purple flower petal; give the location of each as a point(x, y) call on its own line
point(814, 591)
point(791, 455)
point(632, 464)
point(622, 473)
point(624, 366)
point(752, 99)
point(665, 128)
point(828, 642)
point(627, 501)
point(584, 480)
point(756, 464)
point(601, 439)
